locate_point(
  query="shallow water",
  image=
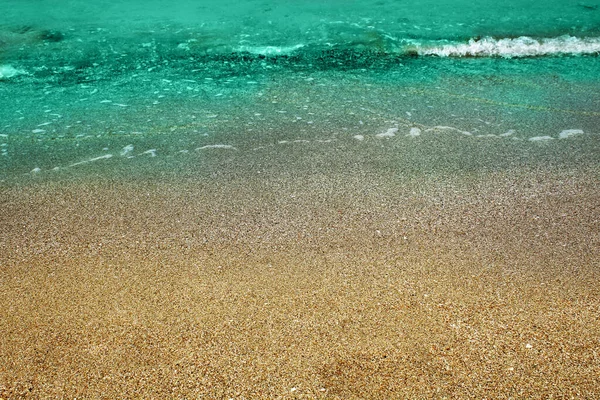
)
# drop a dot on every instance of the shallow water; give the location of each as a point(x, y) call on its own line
point(82, 81)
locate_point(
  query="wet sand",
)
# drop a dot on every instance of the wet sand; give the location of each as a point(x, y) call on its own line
point(320, 276)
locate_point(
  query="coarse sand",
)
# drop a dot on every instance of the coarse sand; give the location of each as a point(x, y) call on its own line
point(332, 286)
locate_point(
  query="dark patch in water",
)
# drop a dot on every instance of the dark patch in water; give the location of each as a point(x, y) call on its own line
point(52, 36)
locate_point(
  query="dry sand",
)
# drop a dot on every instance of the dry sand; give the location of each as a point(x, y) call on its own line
point(338, 285)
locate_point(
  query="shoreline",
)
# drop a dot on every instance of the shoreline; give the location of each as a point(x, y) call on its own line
point(297, 200)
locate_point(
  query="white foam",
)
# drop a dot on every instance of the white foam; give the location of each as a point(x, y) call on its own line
point(523, 46)
point(387, 134)
point(217, 146)
point(508, 133)
point(36, 170)
point(152, 152)
point(414, 132)
point(569, 132)
point(442, 128)
point(8, 71)
point(92, 160)
point(38, 131)
point(448, 128)
point(270, 50)
point(540, 138)
point(359, 137)
point(126, 150)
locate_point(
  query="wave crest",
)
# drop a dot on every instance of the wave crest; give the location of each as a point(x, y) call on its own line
point(523, 46)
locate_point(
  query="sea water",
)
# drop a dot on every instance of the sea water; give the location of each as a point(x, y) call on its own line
point(93, 85)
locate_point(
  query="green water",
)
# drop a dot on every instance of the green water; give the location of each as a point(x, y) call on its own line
point(93, 87)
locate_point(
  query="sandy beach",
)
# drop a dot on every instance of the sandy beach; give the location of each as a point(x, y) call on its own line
point(305, 275)
point(213, 199)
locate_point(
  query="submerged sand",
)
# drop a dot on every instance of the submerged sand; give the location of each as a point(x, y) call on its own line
point(270, 282)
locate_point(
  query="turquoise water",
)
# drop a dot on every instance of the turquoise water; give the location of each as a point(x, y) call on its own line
point(88, 83)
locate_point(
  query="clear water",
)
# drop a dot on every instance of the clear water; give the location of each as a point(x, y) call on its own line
point(89, 85)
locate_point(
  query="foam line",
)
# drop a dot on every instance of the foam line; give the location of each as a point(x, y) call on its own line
point(91, 160)
point(523, 46)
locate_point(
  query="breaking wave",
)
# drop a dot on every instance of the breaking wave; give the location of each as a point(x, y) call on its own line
point(523, 46)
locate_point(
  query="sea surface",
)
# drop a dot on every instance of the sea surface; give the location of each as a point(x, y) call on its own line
point(89, 86)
